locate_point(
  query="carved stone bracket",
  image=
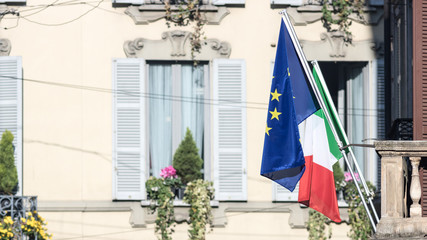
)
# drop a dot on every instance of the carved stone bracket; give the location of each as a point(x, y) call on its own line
point(145, 14)
point(175, 45)
point(332, 47)
point(5, 47)
point(336, 41)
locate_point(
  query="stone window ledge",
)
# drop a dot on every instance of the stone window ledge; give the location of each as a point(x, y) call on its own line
point(141, 214)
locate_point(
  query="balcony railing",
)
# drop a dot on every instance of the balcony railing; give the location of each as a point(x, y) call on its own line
point(401, 215)
point(17, 207)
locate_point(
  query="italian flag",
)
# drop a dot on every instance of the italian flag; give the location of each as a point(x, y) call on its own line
point(321, 152)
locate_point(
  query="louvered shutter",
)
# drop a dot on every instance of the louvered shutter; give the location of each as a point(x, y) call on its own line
point(281, 194)
point(229, 130)
point(228, 2)
point(286, 2)
point(11, 106)
point(420, 64)
point(129, 147)
point(420, 78)
point(133, 2)
point(13, 1)
point(381, 132)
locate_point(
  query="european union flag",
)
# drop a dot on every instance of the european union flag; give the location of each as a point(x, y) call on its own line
point(283, 157)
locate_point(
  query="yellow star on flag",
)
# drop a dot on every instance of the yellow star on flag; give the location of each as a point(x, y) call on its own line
point(275, 114)
point(275, 95)
point(289, 73)
point(267, 129)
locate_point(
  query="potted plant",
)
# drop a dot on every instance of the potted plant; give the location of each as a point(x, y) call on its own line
point(172, 180)
point(187, 161)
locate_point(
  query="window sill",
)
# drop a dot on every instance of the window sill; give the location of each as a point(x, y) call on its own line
point(179, 203)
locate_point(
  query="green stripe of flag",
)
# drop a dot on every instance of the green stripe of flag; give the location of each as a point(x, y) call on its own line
point(333, 145)
point(330, 107)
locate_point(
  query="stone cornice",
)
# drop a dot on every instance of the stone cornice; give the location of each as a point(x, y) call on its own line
point(303, 15)
point(145, 14)
point(140, 213)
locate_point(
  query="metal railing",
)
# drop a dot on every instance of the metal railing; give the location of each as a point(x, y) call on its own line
point(18, 207)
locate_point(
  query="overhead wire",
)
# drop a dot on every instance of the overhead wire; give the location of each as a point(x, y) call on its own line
point(67, 22)
point(205, 101)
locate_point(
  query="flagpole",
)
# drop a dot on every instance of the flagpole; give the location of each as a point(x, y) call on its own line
point(320, 100)
point(362, 178)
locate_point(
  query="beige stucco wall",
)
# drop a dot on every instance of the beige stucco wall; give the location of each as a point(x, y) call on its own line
point(68, 127)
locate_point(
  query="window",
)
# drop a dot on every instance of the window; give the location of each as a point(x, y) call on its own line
point(358, 95)
point(214, 2)
point(177, 94)
point(154, 103)
point(11, 106)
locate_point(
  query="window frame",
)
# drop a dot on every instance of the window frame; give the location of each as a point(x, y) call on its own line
point(176, 113)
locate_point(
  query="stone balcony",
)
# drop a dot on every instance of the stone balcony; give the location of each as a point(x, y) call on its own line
point(401, 218)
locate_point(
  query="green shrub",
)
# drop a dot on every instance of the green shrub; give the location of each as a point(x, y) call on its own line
point(8, 173)
point(187, 161)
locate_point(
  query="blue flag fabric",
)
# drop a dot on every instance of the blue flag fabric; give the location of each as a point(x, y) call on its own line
point(283, 157)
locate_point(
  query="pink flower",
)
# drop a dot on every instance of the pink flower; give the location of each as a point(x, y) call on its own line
point(348, 177)
point(168, 172)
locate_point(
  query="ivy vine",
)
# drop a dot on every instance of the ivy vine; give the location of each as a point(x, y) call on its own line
point(336, 15)
point(187, 13)
point(161, 198)
point(316, 226)
point(198, 194)
point(358, 218)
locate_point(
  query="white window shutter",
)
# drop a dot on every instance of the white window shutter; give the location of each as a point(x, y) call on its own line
point(381, 133)
point(11, 106)
point(286, 2)
point(133, 2)
point(229, 130)
point(281, 194)
point(228, 2)
point(13, 1)
point(129, 148)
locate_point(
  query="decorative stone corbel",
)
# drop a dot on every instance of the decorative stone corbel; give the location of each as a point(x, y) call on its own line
point(332, 47)
point(336, 42)
point(175, 45)
point(5, 47)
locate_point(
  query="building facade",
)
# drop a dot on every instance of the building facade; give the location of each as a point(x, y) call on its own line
point(99, 95)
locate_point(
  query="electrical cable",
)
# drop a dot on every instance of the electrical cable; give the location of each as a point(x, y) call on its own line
point(67, 22)
point(204, 101)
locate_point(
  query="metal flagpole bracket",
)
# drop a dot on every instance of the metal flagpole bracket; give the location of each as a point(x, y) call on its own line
point(357, 145)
